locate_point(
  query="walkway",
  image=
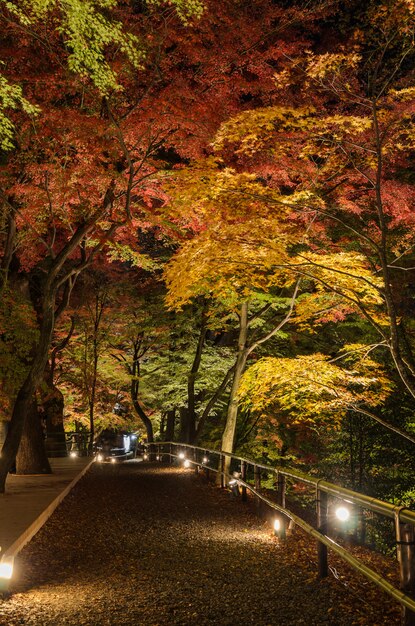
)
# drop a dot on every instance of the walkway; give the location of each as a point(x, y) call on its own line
point(134, 544)
point(28, 497)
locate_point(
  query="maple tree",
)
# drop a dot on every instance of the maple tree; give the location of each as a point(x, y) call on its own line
point(268, 145)
point(68, 170)
point(333, 163)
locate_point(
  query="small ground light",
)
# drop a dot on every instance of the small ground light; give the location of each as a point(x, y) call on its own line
point(157, 458)
point(277, 525)
point(186, 464)
point(145, 457)
point(100, 458)
point(342, 513)
point(6, 569)
point(205, 459)
point(73, 454)
point(113, 460)
point(181, 455)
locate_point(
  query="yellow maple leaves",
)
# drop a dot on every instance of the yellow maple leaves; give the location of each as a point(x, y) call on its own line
point(310, 391)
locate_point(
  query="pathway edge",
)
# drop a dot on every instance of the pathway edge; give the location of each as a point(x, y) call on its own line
point(31, 531)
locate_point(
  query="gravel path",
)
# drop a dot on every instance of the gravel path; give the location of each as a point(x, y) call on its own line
point(135, 544)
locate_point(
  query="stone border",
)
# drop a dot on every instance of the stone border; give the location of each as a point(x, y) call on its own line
point(13, 550)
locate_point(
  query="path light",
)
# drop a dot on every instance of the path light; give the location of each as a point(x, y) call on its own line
point(6, 569)
point(113, 460)
point(157, 458)
point(205, 460)
point(342, 513)
point(99, 458)
point(234, 485)
point(73, 454)
point(145, 457)
point(279, 528)
point(186, 464)
point(181, 455)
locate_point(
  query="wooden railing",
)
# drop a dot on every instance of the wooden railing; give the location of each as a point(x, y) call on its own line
point(239, 475)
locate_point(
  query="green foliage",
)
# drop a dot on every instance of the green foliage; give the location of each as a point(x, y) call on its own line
point(11, 98)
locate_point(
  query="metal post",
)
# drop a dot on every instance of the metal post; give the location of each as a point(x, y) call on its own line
point(281, 483)
point(405, 549)
point(257, 477)
point(243, 476)
point(222, 470)
point(257, 480)
point(207, 473)
point(322, 526)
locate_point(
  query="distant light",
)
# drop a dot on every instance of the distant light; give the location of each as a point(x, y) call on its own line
point(6, 569)
point(181, 455)
point(277, 524)
point(100, 458)
point(342, 513)
point(113, 460)
point(157, 458)
point(186, 464)
point(205, 459)
point(73, 454)
point(145, 457)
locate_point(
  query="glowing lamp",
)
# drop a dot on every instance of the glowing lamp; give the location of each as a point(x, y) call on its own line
point(157, 458)
point(6, 569)
point(73, 454)
point(186, 464)
point(342, 513)
point(205, 459)
point(277, 525)
point(181, 455)
point(145, 457)
point(113, 460)
point(100, 458)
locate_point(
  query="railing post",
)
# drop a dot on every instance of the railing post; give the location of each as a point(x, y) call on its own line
point(257, 477)
point(405, 549)
point(257, 481)
point(322, 526)
point(196, 467)
point(207, 473)
point(222, 470)
point(243, 476)
point(281, 483)
point(171, 454)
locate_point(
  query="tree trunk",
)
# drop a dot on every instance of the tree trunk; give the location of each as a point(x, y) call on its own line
point(26, 392)
point(228, 437)
point(190, 423)
point(187, 426)
point(31, 457)
point(53, 405)
point(170, 424)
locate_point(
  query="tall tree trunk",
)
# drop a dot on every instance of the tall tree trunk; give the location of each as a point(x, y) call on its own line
point(185, 424)
point(170, 424)
point(26, 392)
point(228, 436)
point(31, 457)
point(190, 425)
point(148, 424)
point(52, 404)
